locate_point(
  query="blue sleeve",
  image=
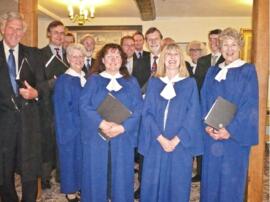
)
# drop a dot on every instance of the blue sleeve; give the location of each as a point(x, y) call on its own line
point(149, 128)
point(90, 119)
point(191, 132)
point(64, 117)
point(244, 126)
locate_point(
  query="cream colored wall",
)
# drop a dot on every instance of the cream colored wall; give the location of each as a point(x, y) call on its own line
point(180, 29)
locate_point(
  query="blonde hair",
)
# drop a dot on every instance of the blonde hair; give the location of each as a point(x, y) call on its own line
point(161, 69)
point(75, 46)
point(231, 33)
point(201, 45)
point(11, 16)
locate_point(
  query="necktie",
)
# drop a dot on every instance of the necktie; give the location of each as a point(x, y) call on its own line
point(57, 50)
point(12, 71)
point(88, 63)
point(213, 59)
point(154, 65)
point(140, 55)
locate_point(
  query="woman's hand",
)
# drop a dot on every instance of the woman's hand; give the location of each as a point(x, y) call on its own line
point(175, 141)
point(221, 134)
point(165, 143)
point(115, 130)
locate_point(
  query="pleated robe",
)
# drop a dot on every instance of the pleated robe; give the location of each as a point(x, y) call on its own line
point(95, 149)
point(225, 162)
point(68, 134)
point(166, 177)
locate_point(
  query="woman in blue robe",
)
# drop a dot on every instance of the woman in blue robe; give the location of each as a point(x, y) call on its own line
point(171, 130)
point(226, 151)
point(67, 118)
point(108, 165)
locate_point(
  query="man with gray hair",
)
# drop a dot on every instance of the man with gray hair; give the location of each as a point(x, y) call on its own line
point(21, 77)
point(89, 43)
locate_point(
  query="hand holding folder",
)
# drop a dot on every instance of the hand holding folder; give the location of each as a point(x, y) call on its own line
point(112, 110)
point(220, 114)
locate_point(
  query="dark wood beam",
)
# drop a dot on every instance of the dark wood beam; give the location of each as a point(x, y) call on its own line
point(147, 9)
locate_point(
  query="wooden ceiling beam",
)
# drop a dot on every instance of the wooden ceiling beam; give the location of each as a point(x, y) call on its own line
point(147, 9)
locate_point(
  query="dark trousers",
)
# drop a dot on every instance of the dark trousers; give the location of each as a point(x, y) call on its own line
point(199, 165)
point(7, 189)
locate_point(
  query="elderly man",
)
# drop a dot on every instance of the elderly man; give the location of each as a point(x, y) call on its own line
point(20, 89)
point(89, 43)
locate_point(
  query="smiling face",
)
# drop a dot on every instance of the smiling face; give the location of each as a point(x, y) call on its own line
point(172, 60)
point(13, 32)
point(76, 60)
point(214, 43)
point(154, 42)
point(112, 61)
point(128, 47)
point(138, 42)
point(57, 35)
point(230, 50)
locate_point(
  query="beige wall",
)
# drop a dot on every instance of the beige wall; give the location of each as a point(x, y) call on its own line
point(180, 29)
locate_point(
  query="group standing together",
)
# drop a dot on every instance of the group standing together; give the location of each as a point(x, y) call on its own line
point(49, 101)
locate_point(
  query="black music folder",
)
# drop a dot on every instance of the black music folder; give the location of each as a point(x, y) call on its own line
point(220, 114)
point(25, 73)
point(111, 109)
point(55, 67)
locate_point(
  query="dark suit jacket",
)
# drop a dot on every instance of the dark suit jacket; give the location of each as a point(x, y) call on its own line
point(54, 68)
point(142, 68)
point(203, 65)
point(19, 118)
point(189, 68)
point(88, 71)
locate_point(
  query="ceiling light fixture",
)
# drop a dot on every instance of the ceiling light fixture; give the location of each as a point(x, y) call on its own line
point(84, 8)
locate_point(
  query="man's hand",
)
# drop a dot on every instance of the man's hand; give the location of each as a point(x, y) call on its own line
point(28, 92)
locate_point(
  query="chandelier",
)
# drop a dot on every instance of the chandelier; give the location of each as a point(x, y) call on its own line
point(85, 7)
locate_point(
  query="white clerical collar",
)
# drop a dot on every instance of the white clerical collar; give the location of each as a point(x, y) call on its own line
point(113, 84)
point(168, 91)
point(224, 68)
point(81, 75)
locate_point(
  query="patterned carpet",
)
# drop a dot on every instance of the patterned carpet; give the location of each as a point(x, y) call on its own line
point(54, 195)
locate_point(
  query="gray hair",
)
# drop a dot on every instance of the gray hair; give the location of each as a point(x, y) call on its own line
point(84, 37)
point(201, 45)
point(231, 33)
point(75, 46)
point(11, 16)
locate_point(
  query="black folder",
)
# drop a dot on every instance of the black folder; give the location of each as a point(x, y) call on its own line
point(220, 114)
point(55, 67)
point(25, 73)
point(112, 110)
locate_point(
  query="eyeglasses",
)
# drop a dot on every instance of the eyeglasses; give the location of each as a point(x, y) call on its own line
point(195, 49)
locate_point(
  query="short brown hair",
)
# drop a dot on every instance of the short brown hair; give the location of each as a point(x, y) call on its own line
point(53, 24)
point(152, 30)
point(124, 38)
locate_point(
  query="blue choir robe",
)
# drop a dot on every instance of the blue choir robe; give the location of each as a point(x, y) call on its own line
point(166, 177)
point(225, 162)
point(67, 119)
point(95, 149)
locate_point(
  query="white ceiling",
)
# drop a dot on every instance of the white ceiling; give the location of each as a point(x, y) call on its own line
point(164, 8)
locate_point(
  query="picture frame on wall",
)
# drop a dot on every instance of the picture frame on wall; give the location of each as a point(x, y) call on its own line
point(245, 53)
point(104, 34)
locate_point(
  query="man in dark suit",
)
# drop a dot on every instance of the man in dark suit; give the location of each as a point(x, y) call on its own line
point(21, 77)
point(89, 43)
point(203, 64)
point(195, 49)
point(54, 62)
point(214, 58)
point(142, 71)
